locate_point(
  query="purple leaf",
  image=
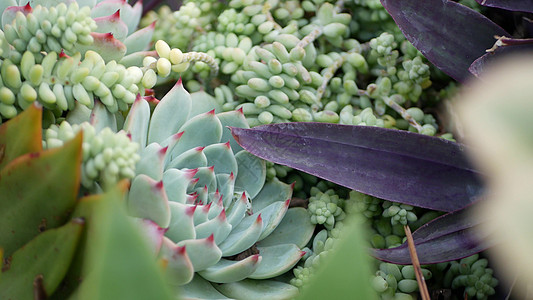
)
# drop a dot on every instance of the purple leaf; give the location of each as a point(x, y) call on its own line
point(448, 237)
point(516, 46)
point(395, 165)
point(515, 5)
point(449, 34)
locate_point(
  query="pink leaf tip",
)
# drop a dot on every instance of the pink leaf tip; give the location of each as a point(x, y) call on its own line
point(222, 215)
point(179, 82)
point(259, 219)
point(189, 211)
point(211, 112)
point(116, 16)
point(287, 202)
point(255, 258)
point(211, 239)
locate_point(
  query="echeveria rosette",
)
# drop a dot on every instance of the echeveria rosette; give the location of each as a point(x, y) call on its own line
point(224, 223)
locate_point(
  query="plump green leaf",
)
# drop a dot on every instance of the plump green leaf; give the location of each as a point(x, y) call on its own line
point(251, 174)
point(148, 199)
point(277, 260)
point(112, 23)
point(295, 228)
point(137, 121)
point(261, 290)
point(119, 263)
point(140, 39)
point(273, 191)
point(230, 270)
point(202, 102)
point(21, 135)
point(344, 272)
point(200, 288)
point(48, 255)
point(234, 118)
point(38, 191)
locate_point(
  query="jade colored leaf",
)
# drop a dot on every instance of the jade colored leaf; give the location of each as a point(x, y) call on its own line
point(515, 5)
point(450, 35)
point(119, 264)
point(395, 165)
point(48, 255)
point(38, 190)
point(449, 237)
point(21, 135)
point(345, 271)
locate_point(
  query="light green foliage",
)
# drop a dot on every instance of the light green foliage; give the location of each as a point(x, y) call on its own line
point(397, 282)
point(108, 157)
point(472, 274)
point(325, 208)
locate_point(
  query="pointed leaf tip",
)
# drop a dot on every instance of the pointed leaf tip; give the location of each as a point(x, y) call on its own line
point(27, 8)
point(259, 219)
point(163, 151)
point(222, 215)
point(211, 112)
point(287, 202)
point(116, 15)
point(159, 185)
point(181, 250)
point(179, 82)
point(211, 239)
point(189, 211)
point(255, 258)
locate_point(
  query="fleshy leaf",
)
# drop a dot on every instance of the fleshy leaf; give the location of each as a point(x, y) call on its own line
point(48, 255)
point(21, 135)
point(452, 43)
point(106, 45)
point(295, 228)
point(251, 175)
point(151, 162)
point(234, 118)
point(395, 165)
point(102, 118)
point(273, 191)
point(259, 290)
point(137, 121)
point(181, 222)
point(147, 199)
point(229, 270)
point(203, 253)
point(10, 10)
point(178, 267)
point(202, 102)
point(221, 157)
point(174, 106)
point(38, 192)
point(120, 263)
point(344, 271)
point(140, 39)
point(515, 5)
point(243, 236)
point(112, 23)
point(277, 260)
point(176, 182)
point(449, 237)
point(200, 288)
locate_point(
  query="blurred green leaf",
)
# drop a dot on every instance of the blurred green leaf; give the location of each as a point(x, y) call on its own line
point(21, 135)
point(48, 255)
point(39, 190)
point(345, 272)
point(119, 263)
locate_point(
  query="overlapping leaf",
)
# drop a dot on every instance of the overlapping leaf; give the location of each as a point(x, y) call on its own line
point(449, 237)
point(516, 5)
point(449, 34)
point(395, 165)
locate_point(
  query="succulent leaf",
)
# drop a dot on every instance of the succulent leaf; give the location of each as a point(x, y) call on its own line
point(178, 267)
point(175, 105)
point(272, 191)
point(258, 289)
point(112, 23)
point(295, 228)
point(14, 144)
point(181, 225)
point(176, 183)
point(118, 250)
point(23, 211)
point(251, 175)
point(147, 199)
point(101, 117)
point(277, 260)
point(139, 40)
point(48, 255)
point(201, 288)
point(152, 161)
point(136, 123)
point(234, 118)
point(202, 252)
point(107, 45)
point(229, 271)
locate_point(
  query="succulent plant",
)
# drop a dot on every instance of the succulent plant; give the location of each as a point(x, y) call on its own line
point(223, 223)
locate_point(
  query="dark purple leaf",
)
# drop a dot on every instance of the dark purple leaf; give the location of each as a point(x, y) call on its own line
point(515, 5)
point(395, 165)
point(479, 65)
point(449, 34)
point(448, 237)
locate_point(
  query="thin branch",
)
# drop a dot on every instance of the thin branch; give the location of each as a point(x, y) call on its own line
point(416, 265)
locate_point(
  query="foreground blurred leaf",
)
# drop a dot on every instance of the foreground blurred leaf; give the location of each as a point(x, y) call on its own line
point(21, 135)
point(517, 5)
point(48, 255)
point(395, 165)
point(450, 35)
point(345, 272)
point(449, 237)
point(38, 190)
point(498, 123)
point(119, 264)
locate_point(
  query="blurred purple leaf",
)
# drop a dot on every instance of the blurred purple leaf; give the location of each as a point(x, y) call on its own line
point(395, 165)
point(449, 34)
point(515, 47)
point(515, 5)
point(449, 237)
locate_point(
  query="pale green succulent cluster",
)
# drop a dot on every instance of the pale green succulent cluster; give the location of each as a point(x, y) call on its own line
point(397, 282)
point(108, 157)
point(472, 274)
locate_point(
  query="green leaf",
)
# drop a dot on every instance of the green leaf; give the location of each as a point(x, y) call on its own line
point(48, 255)
point(295, 228)
point(251, 174)
point(119, 264)
point(21, 135)
point(38, 191)
point(345, 272)
point(261, 290)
